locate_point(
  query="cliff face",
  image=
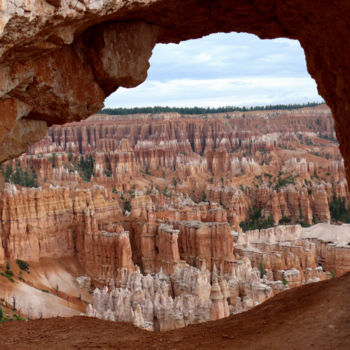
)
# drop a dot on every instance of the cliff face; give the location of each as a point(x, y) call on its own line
point(210, 170)
point(58, 222)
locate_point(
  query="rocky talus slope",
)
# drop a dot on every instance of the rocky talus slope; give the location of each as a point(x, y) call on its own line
point(175, 220)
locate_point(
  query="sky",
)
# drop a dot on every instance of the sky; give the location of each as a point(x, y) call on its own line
point(235, 69)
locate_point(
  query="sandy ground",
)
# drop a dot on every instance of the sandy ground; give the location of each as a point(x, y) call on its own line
point(49, 290)
point(314, 316)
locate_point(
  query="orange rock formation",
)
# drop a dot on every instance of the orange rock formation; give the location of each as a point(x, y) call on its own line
point(154, 212)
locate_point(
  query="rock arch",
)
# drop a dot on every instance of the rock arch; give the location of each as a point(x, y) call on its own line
point(59, 59)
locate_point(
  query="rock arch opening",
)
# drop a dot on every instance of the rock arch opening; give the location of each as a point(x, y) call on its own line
point(54, 42)
point(68, 58)
point(233, 69)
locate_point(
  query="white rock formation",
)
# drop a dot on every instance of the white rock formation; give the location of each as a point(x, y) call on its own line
point(188, 296)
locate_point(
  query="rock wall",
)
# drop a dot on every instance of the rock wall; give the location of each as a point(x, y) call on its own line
point(192, 271)
point(162, 188)
point(235, 161)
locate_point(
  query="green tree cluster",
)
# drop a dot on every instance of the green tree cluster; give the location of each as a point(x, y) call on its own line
point(166, 193)
point(108, 172)
point(327, 137)
point(70, 154)
point(262, 269)
point(25, 178)
point(53, 160)
point(86, 167)
point(201, 110)
point(126, 206)
point(8, 272)
point(23, 265)
point(282, 182)
point(338, 210)
point(285, 220)
point(255, 220)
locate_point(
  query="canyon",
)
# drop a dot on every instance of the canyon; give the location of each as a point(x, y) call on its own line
point(167, 220)
point(99, 220)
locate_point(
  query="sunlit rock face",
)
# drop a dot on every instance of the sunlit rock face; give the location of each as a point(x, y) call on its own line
point(46, 54)
point(156, 198)
point(212, 242)
point(284, 252)
point(305, 252)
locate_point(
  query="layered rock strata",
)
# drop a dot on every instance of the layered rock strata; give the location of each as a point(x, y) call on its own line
point(57, 222)
point(235, 160)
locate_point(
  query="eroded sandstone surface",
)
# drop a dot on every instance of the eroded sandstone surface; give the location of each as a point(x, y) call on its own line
point(155, 220)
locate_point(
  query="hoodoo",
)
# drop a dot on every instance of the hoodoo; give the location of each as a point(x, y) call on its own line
point(168, 220)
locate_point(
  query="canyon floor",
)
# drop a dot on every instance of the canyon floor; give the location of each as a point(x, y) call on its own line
point(314, 316)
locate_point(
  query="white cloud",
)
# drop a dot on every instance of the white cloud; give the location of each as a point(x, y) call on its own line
point(223, 69)
point(218, 92)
